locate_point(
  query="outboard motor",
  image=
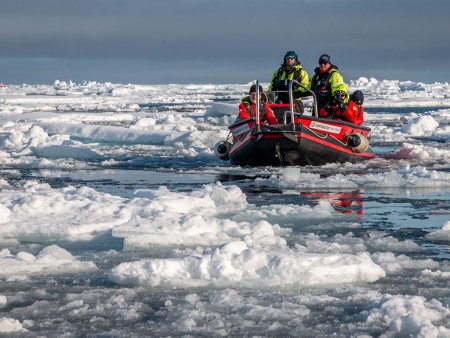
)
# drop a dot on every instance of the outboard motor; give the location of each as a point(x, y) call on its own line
point(358, 142)
point(221, 149)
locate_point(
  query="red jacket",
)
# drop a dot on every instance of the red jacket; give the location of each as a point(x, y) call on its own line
point(244, 114)
point(352, 113)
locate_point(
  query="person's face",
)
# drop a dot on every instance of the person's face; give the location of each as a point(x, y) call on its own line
point(290, 61)
point(324, 66)
point(253, 96)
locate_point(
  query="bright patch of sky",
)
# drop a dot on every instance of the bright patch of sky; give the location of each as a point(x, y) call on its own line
point(234, 41)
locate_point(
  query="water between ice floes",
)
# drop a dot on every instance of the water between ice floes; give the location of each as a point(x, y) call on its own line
point(356, 255)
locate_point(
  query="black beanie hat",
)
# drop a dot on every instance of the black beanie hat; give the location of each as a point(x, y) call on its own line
point(357, 97)
point(253, 89)
point(325, 58)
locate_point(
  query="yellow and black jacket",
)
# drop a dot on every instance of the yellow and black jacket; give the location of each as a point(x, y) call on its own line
point(324, 85)
point(282, 77)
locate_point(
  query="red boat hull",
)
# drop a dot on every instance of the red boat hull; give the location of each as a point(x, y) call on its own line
point(310, 141)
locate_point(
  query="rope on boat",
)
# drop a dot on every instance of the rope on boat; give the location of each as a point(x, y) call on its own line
point(326, 135)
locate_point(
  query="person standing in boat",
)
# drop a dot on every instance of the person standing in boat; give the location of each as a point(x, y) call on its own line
point(289, 70)
point(247, 108)
point(328, 84)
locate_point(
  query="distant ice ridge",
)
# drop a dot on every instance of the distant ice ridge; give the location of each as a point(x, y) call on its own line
point(106, 96)
point(395, 93)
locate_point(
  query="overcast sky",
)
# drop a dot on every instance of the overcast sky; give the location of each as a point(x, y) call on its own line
point(226, 41)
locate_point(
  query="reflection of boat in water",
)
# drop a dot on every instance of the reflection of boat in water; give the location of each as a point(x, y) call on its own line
point(297, 140)
point(349, 202)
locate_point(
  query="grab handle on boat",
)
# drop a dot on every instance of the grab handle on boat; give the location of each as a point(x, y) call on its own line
point(291, 98)
point(257, 106)
point(290, 113)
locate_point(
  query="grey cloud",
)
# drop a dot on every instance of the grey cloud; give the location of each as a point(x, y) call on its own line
point(220, 37)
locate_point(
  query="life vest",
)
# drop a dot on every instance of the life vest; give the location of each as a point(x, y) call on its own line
point(283, 84)
point(265, 113)
point(321, 86)
point(282, 80)
point(262, 110)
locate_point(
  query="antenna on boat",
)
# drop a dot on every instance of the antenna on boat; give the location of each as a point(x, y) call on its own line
point(257, 104)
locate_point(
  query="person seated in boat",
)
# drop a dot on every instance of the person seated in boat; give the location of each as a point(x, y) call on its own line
point(335, 102)
point(289, 70)
point(326, 81)
point(352, 112)
point(247, 108)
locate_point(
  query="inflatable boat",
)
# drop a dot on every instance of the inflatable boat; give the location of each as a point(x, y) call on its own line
point(297, 141)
